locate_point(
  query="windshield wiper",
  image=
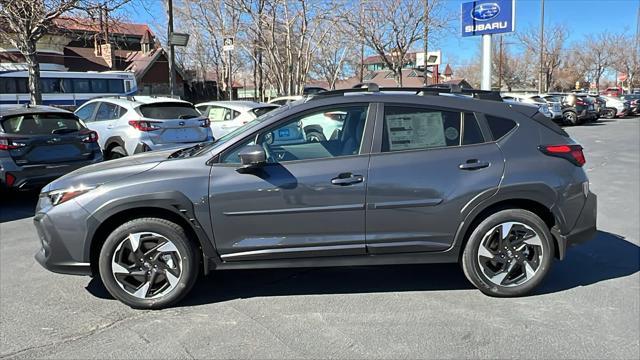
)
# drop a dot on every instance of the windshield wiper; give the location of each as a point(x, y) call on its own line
point(187, 152)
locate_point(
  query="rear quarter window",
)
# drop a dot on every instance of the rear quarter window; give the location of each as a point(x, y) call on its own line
point(168, 110)
point(499, 126)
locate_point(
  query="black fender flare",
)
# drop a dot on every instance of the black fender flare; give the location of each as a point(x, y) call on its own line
point(114, 140)
point(172, 201)
point(534, 192)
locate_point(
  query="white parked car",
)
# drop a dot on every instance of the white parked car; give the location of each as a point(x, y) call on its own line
point(226, 116)
point(130, 125)
point(283, 100)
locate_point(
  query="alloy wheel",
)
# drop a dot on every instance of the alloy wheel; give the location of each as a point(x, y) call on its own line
point(146, 265)
point(510, 254)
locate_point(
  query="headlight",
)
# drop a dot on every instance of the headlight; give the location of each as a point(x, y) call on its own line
point(64, 195)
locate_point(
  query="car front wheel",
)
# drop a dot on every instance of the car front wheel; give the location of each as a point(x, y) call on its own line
point(509, 253)
point(148, 263)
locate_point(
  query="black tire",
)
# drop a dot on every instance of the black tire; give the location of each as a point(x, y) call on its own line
point(116, 152)
point(610, 113)
point(570, 118)
point(190, 257)
point(315, 136)
point(471, 263)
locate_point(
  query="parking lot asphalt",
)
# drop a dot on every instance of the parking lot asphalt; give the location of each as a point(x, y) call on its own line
point(588, 306)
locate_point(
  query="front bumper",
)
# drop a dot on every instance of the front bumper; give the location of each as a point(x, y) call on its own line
point(61, 231)
point(584, 230)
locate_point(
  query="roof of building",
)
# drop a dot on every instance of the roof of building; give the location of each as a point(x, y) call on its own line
point(90, 25)
point(376, 59)
point(448, 71)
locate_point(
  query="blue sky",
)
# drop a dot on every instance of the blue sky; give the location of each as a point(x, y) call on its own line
point(581, 17)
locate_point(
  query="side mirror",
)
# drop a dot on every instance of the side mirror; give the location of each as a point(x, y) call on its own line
point(252, 156)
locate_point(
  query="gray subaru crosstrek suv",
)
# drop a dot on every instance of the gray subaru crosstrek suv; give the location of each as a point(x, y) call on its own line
point(412, 176)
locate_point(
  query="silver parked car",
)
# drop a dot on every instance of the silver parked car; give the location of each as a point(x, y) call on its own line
point(137, 124)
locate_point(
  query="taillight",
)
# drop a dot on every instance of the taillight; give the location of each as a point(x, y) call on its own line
point(206, 123)
point(580, 102)
point(145, 125)
point(573, 153)
point(10, 143)
point(90, 137)
point(10, 179)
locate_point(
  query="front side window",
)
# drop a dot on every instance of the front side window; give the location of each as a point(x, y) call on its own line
point(329, 133)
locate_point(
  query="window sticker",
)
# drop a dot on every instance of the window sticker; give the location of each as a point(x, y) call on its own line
point(418, 130)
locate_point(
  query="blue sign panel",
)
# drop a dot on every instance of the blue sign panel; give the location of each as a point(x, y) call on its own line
point(482, 17)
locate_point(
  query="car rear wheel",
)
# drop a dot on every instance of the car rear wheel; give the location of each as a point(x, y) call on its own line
point(570, 118)
point(116, 152)
point(509, 253)
point(148, 263)
point(609, 113)
point(314, 136)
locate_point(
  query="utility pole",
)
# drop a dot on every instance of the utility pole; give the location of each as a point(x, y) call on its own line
point(172, 78)
point(500, 65)
point(361, 67)
point(230, 76)
point(426, 38)
point(541, 76)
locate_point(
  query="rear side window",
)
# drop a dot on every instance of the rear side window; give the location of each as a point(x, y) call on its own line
point(499, 126)
point(471, 133)
point(406, 128)
point(169, 110)
point(86, 111)
point(107, 111)
point(41, 124)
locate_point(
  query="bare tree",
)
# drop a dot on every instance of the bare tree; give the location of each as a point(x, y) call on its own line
point(554, 49)
point(335, 56)
point(392, 27)
point(24, 22)
point(627, 59)
point(596, 54)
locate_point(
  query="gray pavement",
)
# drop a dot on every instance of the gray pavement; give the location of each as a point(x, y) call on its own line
point(588, 307)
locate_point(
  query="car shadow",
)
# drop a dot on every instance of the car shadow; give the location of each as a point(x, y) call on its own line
point(606, 257)
point(17, 205)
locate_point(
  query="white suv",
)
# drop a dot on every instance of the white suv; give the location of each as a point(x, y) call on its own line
point(143, 123)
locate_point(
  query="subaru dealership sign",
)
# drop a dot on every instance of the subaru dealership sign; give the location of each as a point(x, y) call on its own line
point(483, 17)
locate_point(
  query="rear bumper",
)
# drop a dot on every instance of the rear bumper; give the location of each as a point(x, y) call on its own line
point(37, 176)
point(584, 230)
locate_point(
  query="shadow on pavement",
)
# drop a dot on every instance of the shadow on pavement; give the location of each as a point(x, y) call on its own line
point(17, 205)
point(608, 256)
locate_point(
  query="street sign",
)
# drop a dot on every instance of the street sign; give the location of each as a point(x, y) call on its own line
point(484, 17)
point(228, 44)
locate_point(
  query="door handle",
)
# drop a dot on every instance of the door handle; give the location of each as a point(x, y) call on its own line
point(345, 179)
point(473, 164)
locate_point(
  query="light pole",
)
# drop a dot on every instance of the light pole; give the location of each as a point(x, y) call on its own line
point(172, 74)
point(541, 76)
point(426, 38)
